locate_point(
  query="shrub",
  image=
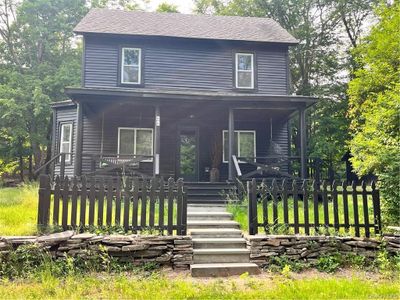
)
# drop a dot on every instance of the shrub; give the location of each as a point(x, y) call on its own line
point(329, 263)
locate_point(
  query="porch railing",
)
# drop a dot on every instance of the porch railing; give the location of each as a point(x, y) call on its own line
point(131, 204)
point(103, 163)
point(307, 207)
point(278, 166)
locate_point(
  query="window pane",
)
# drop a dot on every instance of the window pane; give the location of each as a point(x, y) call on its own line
point(244, 79)
point(131, 57)
point(66, 133)
point(126, 142)
point(226, 145)
point(130, 74)
point(247, 144)
point(244, 62)
point(144, 142)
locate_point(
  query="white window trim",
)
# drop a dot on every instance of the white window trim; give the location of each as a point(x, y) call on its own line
point(67, 157)
point(134, 142)
point(238, 141)
point(246, 71)
point(139, 65)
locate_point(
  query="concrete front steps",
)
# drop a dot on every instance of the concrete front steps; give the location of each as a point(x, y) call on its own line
point(219, 248)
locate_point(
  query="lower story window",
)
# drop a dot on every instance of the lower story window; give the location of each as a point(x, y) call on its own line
point(135, 141)
point(66, 141)
point(244, 144)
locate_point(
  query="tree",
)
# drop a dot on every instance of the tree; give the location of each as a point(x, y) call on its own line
point(166, 7)
point(37, 60)
point(375, 107)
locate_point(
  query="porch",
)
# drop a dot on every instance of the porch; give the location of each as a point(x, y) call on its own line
point(202, 137)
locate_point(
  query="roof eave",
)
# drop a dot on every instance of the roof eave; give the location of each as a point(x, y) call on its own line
point(79, 32)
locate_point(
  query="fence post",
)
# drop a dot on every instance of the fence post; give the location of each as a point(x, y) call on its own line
point(184, 211)
point(179, 202)
point(252, 192)
point(44, 201)
point(62, 166)
point(377, 208)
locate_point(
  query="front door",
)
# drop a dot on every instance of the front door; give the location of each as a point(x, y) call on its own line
point(188, 145)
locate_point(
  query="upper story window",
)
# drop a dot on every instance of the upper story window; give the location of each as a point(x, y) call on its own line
point(244, 70)
point(66, 141)
point(131, 60)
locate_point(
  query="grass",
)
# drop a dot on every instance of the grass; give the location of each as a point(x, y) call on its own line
point(18, 210)
point(239, 212)
point(158, 286)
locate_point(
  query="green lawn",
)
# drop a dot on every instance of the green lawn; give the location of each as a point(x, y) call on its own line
point(126, 286)
point(18, 210)
point(239, 212)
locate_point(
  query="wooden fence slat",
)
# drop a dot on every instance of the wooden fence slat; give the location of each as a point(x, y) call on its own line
point(345, 207)
point(56, 205)
point(83, 196)
point(365, 208)
point(179, 200)
point(316, 205)
point(325, 204)
point(285, 202)
point(304, 188)
point(143, 202)
point(100, 202)
point(170, 205)
point(161, 199)
point(65, 198)
point(118, 202)
point(335, 206)
point(355, 208)
point(295, 207)
point(127, 201)
point(153, 187)
point(92, 200)
point(74, 201)
point(275, 203)
point(109, 205)
point(264, 199)
point(135, 203)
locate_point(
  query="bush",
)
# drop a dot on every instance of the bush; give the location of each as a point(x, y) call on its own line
point(329, 263)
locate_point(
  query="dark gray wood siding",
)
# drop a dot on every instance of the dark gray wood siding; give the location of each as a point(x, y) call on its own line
point(65, 115)
point(185, 64)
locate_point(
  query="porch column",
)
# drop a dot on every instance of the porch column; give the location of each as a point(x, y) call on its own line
point(231, 144)
point(156, 151)
point(79, 137)
point(303, 142)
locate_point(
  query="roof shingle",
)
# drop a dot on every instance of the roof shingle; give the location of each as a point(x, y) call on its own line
point(184, 26)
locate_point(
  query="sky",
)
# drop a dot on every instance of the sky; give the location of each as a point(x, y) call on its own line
point(184, 6)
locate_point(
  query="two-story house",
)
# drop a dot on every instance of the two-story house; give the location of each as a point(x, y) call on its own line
point(179, 95)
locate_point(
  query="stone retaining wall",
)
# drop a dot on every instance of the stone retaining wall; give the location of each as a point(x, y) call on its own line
point(310, 248)
point(176, 251)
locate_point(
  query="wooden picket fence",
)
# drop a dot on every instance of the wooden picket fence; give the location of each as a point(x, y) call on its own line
point(131, 204)
point(310, 208)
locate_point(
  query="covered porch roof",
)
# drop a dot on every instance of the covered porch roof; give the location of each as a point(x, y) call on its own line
point(159, 96)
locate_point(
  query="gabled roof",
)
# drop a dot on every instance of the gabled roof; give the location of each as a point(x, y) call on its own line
point(184, 26)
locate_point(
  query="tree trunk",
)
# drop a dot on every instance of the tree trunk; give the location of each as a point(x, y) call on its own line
point(21, 168)
point(30, 168)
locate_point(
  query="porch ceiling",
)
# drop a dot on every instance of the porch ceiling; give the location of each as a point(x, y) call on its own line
point(158, 96)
